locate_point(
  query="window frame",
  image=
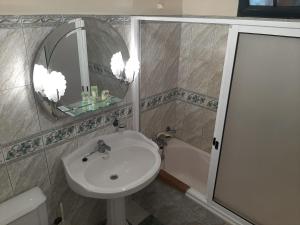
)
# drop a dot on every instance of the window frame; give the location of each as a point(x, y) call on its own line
point(246, 10)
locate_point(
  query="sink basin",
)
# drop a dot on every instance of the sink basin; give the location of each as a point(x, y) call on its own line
point(131, 164)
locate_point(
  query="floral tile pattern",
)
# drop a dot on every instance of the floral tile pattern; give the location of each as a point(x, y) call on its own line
point(159, 99)
point(87, 125)
point(23, 148)
point(213, 104)
point(179, 94)
point(197, 99)
point(59, 135)
point(102, 120)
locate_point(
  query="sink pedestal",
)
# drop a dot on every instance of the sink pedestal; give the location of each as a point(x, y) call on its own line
point(133, 163)
point(116, 212)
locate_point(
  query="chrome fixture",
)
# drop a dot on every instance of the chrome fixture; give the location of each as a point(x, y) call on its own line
point(170, 130)
point(161, 137)
point(118, 125)
point(102, 147)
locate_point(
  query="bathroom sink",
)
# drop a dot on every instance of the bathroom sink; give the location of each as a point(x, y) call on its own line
point(132, 164)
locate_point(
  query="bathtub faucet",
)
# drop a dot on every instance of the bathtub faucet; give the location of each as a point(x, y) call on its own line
point(161, 137)
point(160, 140)
point(169, 130)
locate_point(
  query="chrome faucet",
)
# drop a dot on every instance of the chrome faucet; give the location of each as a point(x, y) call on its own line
point(161, 137)
point(102, 147)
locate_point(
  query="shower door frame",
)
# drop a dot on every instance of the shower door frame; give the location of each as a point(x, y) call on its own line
point(228, 70)
point(236, 25)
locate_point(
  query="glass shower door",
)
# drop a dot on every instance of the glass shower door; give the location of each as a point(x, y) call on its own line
point(258, 174)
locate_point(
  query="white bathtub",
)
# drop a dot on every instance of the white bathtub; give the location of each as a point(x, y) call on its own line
point(187, 163)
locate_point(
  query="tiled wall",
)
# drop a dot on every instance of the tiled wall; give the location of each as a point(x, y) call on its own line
point(196, 53)
point(202, 53)
point(160, 51)
point(31, 144)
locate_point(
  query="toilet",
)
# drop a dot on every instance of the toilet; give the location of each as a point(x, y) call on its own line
point(28, 208)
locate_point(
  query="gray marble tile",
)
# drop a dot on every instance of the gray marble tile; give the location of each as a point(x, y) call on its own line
point(135, 214)
point(84, 138)
point(5, 186)
point(200, 50)
point(180, 120)
point(28, 173)
point(185, 46)
point(128, 97)
point(219, 51)
point(47, 122)
point(34, 36)
point(54, 155)
point(127, 34)
point(195, 125)
point(202, 57)
point(124, 34)
point(160, 57)
point(157, 119)
point(2, 158)
point(13, 64)
point(59, 187)
point(129, 123)
point(172, 207)
point(18, 114)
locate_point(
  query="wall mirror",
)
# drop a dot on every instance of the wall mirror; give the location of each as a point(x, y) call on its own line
point(80, 67)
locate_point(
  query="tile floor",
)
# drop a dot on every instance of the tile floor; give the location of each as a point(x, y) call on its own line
point(160, 204)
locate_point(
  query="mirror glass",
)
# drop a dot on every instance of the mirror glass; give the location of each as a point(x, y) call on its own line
point(80, 68)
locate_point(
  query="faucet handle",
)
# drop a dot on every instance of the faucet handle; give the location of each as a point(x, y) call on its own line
point(116, 122)
point(168, 129)
point(118, 125)
point(100, 142)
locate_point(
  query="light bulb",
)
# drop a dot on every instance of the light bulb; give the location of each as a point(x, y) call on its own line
point(132, 68)
point(117, 64)
point(51, 85)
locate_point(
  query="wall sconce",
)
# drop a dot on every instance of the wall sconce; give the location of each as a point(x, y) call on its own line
point(50, 85)
point(118, 67)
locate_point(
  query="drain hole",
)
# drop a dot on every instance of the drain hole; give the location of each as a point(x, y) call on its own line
point(114, 177)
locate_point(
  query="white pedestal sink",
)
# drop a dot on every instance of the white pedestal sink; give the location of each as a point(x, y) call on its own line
point(132, 164)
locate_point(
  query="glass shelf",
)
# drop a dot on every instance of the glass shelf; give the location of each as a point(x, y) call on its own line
point(81, 107)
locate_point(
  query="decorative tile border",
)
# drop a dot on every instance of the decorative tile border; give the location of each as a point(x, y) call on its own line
point(197, 99)
point(52, 20)
point(58, 136)
point(23, 148)
point(183, 95)
point(159, 99)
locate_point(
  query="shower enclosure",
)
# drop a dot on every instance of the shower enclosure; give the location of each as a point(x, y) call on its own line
point(255, 167)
